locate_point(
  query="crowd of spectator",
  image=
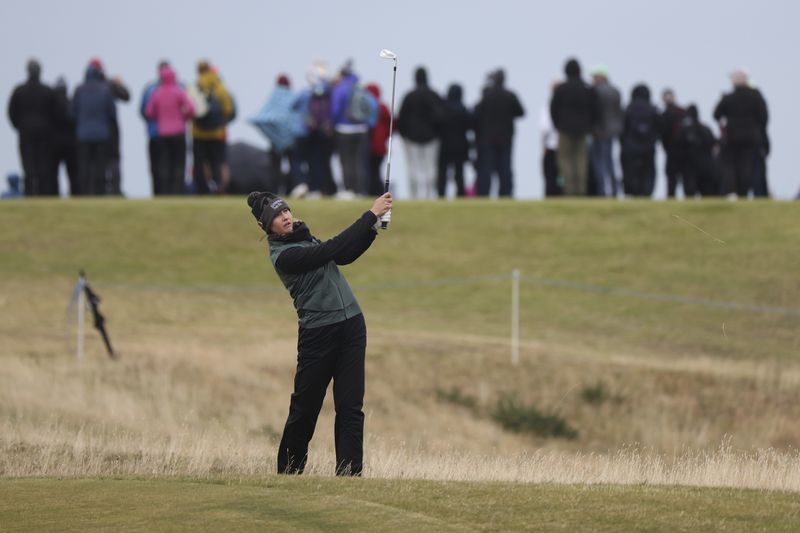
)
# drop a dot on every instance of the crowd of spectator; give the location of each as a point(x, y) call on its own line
point(338, 114)
point(583, 121)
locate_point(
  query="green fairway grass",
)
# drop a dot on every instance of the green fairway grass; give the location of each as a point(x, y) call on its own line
point(317, 504)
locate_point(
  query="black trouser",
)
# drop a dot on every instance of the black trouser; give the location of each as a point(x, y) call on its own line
point(446, 162)
point(737, 168)
point(152, 156)
point(209, 156)
point(36, 154)
point(320, 174)
point(92, 165)
point(495, 158)
point(638, 171)
point(66, 151)
point(550, 171)
point(352, 149)
point(171, 167)
point(329, 352)
point(674, 172)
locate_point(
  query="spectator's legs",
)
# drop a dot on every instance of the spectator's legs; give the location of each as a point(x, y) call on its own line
point(744, 169)
point(572, 163)
point(550, 172)
point(153, 155)
point(430, 157)
point(648, 169)
point(443, 167)
point(349, 146)
point(760, 187)
point(375, 177)
point(414, 162)
point(458, 176)
point(504, 172)
point(200, 156)
point(483, 184)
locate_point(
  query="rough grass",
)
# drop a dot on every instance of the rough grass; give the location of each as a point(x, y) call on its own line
point(207, 339)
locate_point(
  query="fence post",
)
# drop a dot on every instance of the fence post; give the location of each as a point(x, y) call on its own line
point(515, 317)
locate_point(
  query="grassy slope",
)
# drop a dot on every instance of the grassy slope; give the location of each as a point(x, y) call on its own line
point(314, 504)
point(638, 246)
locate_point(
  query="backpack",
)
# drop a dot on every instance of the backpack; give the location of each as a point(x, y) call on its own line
point(318, 116)
point(362, 105)
point(214, 117)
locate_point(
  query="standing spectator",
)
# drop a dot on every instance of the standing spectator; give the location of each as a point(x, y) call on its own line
point(379, 134)
point(64, 143)
point(351, 106)
point(31, 111)
point(454, 150)
point(213, 110)
point(494, 117)
point(742, 114)
point(319, 123)
point(696, 142)
point(113, 162)
point(418, 123)
point(553, 183)
point(573, 110)
point(607, 127)
point(277, 120)
point(639, 136)
point(171, 109)
point(152, 129)
point(670, 124)
point(760, 185)
point(95, 115)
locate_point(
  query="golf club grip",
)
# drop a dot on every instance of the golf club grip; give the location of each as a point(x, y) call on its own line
point(385, 219)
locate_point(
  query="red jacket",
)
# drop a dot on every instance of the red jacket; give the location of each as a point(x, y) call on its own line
point(380, 132)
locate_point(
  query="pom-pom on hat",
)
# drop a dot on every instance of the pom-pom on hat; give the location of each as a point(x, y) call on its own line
point(265, 206)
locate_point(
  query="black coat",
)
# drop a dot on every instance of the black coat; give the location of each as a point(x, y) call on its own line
point(456, 124)
point(745, 113)
point(573, 108)
point(670, 124)
point(31, 109)
point(420, 115)
point(495, 114)
point(64, 121)
point(641, 129)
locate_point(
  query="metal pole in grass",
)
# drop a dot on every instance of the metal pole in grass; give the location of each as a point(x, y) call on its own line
point(515, 317)
point(81, 314)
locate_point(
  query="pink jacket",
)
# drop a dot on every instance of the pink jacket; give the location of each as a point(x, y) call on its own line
point(169, 105)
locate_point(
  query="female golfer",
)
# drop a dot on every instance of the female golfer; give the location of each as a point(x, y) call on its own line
point(332, 337)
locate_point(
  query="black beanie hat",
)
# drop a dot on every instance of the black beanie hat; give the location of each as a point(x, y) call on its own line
point(265, 206)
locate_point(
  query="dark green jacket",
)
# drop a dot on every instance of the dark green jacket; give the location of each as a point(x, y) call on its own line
point(308, 269)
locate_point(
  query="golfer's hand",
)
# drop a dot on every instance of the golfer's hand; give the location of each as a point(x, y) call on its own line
point(382, 204)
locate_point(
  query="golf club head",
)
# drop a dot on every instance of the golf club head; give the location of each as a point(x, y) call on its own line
point(388, 54)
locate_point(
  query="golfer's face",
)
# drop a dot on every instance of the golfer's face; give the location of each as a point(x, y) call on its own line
point(282, 224)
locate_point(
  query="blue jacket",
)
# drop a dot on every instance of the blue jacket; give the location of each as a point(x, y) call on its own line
point(152, 125)
point(277, 120)
point(340, 99)
point(93, 108)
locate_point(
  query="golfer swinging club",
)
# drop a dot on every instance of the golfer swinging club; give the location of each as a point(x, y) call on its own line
point(332, 336)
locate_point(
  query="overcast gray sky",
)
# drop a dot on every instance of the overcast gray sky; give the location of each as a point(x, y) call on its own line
point(688, 45)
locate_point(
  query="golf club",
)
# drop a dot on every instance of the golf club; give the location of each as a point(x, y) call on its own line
point(387, 54)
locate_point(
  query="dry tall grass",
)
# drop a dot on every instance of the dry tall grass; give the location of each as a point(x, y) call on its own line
point(203, 385)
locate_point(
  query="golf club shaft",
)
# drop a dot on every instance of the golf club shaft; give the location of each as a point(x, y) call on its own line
point(385, 218)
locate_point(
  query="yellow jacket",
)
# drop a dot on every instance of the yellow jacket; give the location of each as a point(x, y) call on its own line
point(209, 81)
